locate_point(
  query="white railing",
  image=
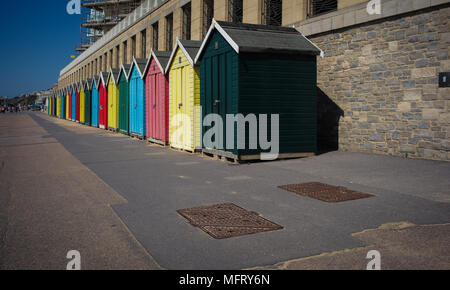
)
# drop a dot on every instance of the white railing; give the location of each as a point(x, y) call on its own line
point(142, 11)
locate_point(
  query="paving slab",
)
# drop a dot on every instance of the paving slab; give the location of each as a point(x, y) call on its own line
point(156, 182)
point(51, 204)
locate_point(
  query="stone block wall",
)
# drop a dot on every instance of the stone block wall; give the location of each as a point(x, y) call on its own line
point(383, 78)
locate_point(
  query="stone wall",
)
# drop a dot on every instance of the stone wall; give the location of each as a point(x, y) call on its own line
point(382, 79)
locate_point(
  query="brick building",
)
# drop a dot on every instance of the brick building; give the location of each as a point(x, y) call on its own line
point(378, 79)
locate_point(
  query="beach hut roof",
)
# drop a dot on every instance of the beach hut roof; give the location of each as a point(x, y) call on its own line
point(190, 49)
point(261, 38)
point(161, 58)
point(88, 84)
point(103, 77)
point(140, 64)
point(113, 75)
point(124, 69)
point(95, 80)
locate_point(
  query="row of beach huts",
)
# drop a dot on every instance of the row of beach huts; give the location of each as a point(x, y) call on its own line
point(237, 69)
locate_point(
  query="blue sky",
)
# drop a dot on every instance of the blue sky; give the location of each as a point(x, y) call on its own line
point(38, 38)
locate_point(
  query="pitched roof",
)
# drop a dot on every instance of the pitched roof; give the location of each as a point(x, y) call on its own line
point(104, 78)
point(124, 70)
point(88, 83)
point(114, 74)
point(95, 80)
point(189, 48)
point(261, 38)
point(161, 58)
point(140, 63)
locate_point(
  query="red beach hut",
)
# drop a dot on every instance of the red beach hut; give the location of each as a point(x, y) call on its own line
point(103, 101)
point(157, 97)
point(69, 100)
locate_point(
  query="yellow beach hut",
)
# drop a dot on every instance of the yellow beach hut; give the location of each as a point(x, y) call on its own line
point(184, 96)
point(113, 99)
point(58, 105)
point(82, 101)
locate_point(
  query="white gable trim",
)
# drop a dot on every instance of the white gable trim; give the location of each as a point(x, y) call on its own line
point(124, 71)
point(172, 55)
point(215, 25)
point(134, 63)
point(322, 54)
point(101, 78)
point(178, 45)
point(153, 55)
point(81, 86)
point(109, 76)
point(94, 83)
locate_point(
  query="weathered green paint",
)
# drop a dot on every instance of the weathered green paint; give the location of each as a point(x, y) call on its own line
point(284, 85)
point(124, 101)
point(262, 83)
point(219, 82)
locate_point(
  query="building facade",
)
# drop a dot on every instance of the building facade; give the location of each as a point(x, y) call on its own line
point(378, 77)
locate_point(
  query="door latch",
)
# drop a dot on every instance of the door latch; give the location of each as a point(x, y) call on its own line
point(179, 106)
point(154, 106)
point(216, 102)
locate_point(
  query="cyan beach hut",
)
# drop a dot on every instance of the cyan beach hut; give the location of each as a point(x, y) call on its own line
point(95, 101)
point(63, 104)
point(260, 70)
point(137, 98)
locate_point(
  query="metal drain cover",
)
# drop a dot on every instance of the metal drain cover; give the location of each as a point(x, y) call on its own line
point(227, 220)
point(325, 192)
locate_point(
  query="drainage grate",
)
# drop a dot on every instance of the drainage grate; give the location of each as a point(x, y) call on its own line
point(325, 192)
point(227, 220)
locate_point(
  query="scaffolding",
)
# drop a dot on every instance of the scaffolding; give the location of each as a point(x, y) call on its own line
point(99, 16)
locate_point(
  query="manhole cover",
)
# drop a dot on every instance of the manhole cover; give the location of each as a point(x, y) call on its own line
point(227, 220)
point(325, 192)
